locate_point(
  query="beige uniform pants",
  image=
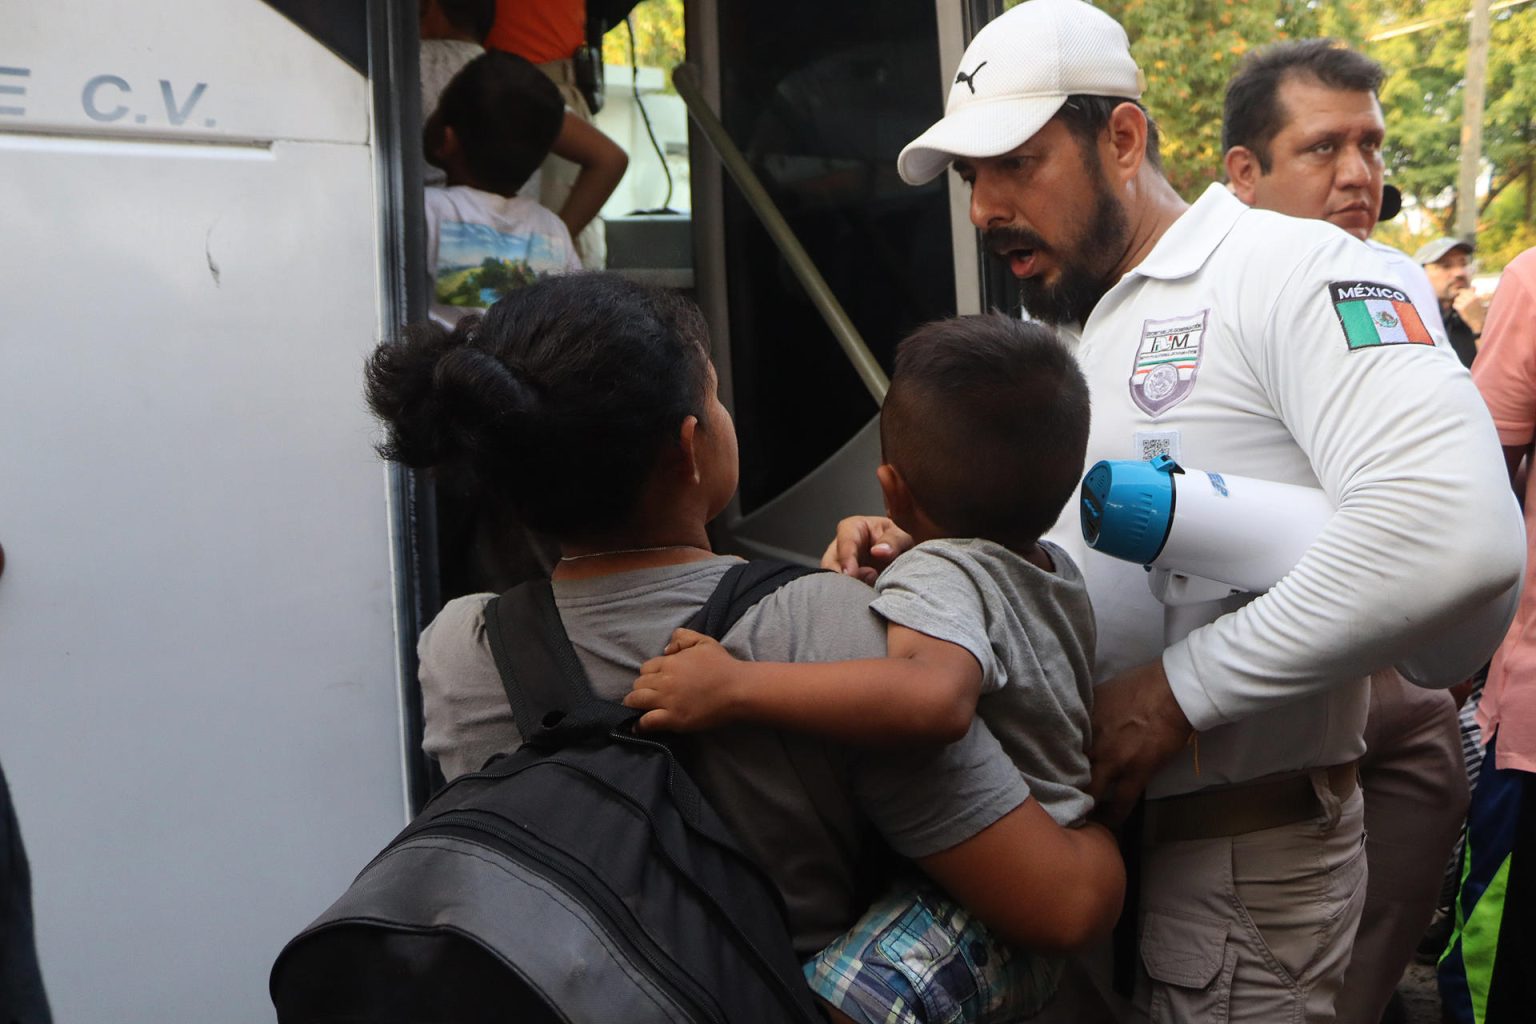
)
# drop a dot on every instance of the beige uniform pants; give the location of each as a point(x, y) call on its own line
point(1254, 928)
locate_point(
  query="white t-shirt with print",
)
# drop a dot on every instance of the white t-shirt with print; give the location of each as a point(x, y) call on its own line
point(481, 246)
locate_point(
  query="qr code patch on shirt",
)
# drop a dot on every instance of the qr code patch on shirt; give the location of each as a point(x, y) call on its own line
point(1152, 443)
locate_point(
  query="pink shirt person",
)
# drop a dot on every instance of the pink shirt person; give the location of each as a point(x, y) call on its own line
point(1505, 373)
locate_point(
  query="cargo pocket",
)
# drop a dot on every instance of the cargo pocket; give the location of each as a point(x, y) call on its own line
point(1190, 964)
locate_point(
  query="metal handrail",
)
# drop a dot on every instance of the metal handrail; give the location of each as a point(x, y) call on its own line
point(686, 80)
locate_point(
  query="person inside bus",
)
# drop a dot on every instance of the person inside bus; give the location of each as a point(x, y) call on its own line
point(452, 35)
point(551, 34)
point(588, 403)
point(492, 128)
point(982, 438)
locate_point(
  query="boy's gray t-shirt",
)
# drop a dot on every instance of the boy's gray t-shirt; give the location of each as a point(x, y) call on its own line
point(802, 808)
point(1033, 633)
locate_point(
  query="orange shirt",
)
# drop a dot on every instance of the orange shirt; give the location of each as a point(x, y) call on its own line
point(1505, 372)
point(539, 30)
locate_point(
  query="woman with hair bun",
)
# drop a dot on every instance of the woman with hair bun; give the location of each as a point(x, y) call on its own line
point(587, 405)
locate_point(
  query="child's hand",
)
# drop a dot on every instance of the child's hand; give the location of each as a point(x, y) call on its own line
point(690, 688)
point(864, 547)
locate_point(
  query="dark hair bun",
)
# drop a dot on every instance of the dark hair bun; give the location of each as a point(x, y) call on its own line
point(559, 400)
point(443, 398)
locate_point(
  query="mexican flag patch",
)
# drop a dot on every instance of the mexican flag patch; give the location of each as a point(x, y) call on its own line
point(1375, 314)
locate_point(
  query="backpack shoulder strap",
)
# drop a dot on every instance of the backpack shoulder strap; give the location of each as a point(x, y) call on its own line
point(739, 589)
point(544, 676)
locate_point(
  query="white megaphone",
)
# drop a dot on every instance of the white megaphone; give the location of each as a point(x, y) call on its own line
point(1207, 536)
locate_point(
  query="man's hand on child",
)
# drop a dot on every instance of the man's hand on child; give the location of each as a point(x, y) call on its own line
point(864, 546)
point(690, 688)
point(1138, 727)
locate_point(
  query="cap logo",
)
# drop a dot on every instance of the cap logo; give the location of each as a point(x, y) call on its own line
point(970, 79)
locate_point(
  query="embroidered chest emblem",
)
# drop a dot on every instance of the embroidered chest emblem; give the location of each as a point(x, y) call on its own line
point(1167, 360)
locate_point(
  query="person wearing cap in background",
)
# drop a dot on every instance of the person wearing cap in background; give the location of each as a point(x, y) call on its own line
point(1242, 341)
point(1447, 262)
point(1303, 131)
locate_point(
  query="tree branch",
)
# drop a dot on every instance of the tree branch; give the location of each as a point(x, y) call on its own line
point(1495, 189)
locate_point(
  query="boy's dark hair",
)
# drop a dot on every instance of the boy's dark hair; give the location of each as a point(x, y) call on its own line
point(506, 114)
point(558, 401)
point(987, 422)
point(1251, 116)
point(473, 17)
point(1087, 116)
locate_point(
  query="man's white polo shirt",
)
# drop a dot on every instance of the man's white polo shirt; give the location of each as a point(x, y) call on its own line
point(1260, 345)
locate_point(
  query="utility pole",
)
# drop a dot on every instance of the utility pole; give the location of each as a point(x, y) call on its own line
point(1472, 123)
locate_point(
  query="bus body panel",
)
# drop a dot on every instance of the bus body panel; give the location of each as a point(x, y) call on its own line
point(200, 714)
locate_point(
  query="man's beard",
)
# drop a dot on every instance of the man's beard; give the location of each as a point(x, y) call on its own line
point(1085, 264)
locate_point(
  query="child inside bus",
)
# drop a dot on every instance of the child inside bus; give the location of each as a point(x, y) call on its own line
point(452, 35)
point(983, 436)
point(490, 131)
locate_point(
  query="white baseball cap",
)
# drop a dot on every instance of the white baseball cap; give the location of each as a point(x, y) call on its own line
point(1016, 74)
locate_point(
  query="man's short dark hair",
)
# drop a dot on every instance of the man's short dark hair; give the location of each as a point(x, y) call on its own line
point(1086, 117)
point(1251, 115)
point(987, 422)
point(472, 17)
point(506, 114)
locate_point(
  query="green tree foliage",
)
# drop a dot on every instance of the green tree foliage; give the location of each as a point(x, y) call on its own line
point(658, 28)
point(1187, 49)
point(1423, 99)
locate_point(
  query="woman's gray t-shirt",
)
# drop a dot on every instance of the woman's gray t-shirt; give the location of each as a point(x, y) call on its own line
point(801, 808)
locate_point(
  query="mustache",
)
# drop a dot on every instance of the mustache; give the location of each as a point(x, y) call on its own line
point(1001, 241)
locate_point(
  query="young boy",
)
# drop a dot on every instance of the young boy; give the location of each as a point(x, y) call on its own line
point(983, 435)
point(590, 164)
point(492, 128)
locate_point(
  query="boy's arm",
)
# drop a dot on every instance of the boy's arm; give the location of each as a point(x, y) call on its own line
point(924, 691)
point(1035, 883)
point(602, 164)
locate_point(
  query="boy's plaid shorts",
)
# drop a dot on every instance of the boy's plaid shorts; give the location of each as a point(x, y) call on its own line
point(918, 956)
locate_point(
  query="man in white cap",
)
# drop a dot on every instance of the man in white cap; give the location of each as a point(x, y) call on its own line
point(1245, 342)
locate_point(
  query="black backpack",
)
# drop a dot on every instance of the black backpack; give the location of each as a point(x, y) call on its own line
point(581, 879)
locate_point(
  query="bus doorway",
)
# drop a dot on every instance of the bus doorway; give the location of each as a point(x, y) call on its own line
point(820, 100)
